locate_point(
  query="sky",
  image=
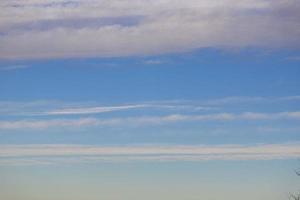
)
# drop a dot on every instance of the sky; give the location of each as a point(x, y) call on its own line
point(163, 99)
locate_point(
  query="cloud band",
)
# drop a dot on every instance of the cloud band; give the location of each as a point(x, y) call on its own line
point(89, 153)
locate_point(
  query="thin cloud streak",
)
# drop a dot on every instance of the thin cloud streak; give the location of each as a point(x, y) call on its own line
point(249, 99)
point(44, 108)
point(62, 154)
point(144, 120)
point(103, 109)
point(92, 110)
point(13, 67)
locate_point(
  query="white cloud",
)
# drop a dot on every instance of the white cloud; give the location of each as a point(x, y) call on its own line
point(51, 154)
point(249, 99)
point(143, 120)
point(290, 98)
point(295, 58)
point(32, 107)
point(91, 110)
point(60, 108)
point(97, 28)
point(238, 99)
point(13, 67)
point(46, 107)
point(154, 62)
point(103, 109)
point(272, 129)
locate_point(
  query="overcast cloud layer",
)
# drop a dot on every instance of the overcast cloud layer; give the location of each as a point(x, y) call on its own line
point(96, 28)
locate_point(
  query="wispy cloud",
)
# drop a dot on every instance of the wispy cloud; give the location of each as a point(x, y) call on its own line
point(48, 29)
point(272, 129)
point(92, 22)
point(49, 108)
point(103, 109)
point(154, 62)
point(59, 154)
point(249, 99)
point(13, 67)
point(144, 120)
point(30, 107)
point(46, 107)
point(296, 58)
point(92, 110)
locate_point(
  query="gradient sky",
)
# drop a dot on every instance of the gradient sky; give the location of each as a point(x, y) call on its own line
point(138, 99)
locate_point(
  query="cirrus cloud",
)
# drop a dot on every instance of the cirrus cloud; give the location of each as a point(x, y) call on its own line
point(143, 120)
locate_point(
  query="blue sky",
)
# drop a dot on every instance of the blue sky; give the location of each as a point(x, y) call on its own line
point(205, 83)
point(133, 99)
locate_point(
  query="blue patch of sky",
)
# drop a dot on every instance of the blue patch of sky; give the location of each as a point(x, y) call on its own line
point(197, 77)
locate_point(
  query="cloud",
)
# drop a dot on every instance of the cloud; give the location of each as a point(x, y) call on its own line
point(51, 108)
point(91, 110)
point(154, 62)
point(94, 23)
point(51, 154)
point(249, 99)
point(272, 129)
point(54, 107)
point(13, 67)
point(103, 109)
point(143, 120)
point(48, 107)
point(30, 107)
point(49, 29)
point(237, 99)
point(295, 58)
